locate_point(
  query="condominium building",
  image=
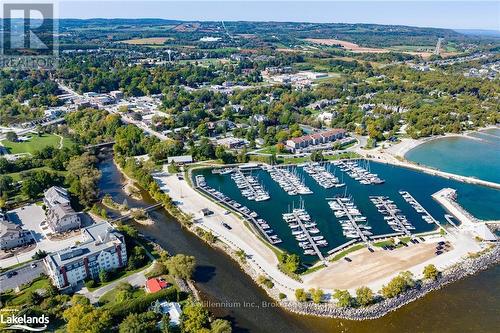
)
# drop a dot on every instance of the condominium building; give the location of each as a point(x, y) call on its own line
point(12, 235)
point(60, 216)
point(315, 139)
point(101, 248)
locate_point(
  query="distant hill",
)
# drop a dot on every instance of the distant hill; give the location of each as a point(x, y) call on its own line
point(479, 32)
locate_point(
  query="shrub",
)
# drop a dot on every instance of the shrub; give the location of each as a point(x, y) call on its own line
point(90, 284)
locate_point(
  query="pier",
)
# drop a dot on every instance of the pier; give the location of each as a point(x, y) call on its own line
point(227, 202)
point(350, 216)
point(343, 246)
point(288, 181)
point(306, 232)
point(418, 207)
point(392, 211)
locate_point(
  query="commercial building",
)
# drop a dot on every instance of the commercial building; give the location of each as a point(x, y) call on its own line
point(60, 216)
point(101, 248)
point(315, 139)
point(12, 235)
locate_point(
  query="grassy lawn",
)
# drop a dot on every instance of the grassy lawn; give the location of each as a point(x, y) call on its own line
point(342, 254)
point(16, 176)
point(35, 143)
point(109, 298)
point(119, 275)
point(22, 298)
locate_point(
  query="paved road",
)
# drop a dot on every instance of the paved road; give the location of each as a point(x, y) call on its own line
point(137, 280)
point(24, 275)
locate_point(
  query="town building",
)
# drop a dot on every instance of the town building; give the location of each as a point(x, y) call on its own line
point(60, 216)
point(181, 159)
point(101, 248)
point(12, 235)
point(231, 143)
point(315, 139)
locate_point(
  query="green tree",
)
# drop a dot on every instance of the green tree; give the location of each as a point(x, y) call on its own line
point(430, 272)
point(221, 326)
point(398, 285)
point(316, 295)
point(300, 295)
point(104, 275)
point(82, 317)
point(139, 323)
point(194, 317)
point(11, 136)
point(181, 266)
point(343, 298)
point(364, 296)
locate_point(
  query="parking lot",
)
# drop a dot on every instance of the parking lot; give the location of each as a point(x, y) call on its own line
point(19, 276)
point(30, 217)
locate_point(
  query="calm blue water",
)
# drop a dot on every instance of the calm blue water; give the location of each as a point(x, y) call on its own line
point(480, 201)
point(463, 156)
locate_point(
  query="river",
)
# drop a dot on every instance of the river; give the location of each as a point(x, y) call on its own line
point(470, 305)
point(477, 155)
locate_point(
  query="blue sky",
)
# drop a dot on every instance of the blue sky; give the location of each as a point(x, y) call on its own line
point(442, 14)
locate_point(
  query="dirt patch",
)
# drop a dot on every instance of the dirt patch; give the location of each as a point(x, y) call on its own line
point(147, 41)
point(367, 267)
point(346, 45)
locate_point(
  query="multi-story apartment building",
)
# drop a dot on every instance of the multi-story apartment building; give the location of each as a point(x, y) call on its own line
point(102, 248)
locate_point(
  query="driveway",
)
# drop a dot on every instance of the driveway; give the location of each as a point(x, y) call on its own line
point(30, 217)
point(137, 280)
point(23, 275)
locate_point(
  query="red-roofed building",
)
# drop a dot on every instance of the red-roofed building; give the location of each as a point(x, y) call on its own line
point(316, 138)
point(154, 285)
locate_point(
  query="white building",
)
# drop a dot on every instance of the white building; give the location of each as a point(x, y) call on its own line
point(12, 235)
point(60, 216)
point(102, 248)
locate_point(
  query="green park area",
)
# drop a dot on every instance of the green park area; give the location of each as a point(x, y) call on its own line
point(35, 143)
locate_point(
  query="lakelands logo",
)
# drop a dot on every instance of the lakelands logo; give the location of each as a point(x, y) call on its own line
point(24, 322)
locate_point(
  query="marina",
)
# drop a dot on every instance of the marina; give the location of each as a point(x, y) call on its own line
point(357, 172)
point(249, 215)
point(392, 214)
point(321, 213)
point(288, 180)
point(249, 186)
point(322, 176)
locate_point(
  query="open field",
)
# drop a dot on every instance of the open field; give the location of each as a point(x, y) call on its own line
point(146, 41)
point(346, 45)
point(35, 143)
point(353, 47)
point(367, 267)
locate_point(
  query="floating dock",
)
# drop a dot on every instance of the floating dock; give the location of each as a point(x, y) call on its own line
point(392, 216)
point(426, 216)
point(296, 214)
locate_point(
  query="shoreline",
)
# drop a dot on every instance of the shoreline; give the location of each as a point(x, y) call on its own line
point(252, 268)
point(409, 145)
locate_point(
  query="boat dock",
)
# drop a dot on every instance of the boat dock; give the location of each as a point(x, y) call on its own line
point(341, 247)
point(297, 216)
point(249, 186)
point(358, 173)
point(321, 175)
point(288, 181)
point(343, 207)
point(397, 222)
point(226, 201)
point(426, 216)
